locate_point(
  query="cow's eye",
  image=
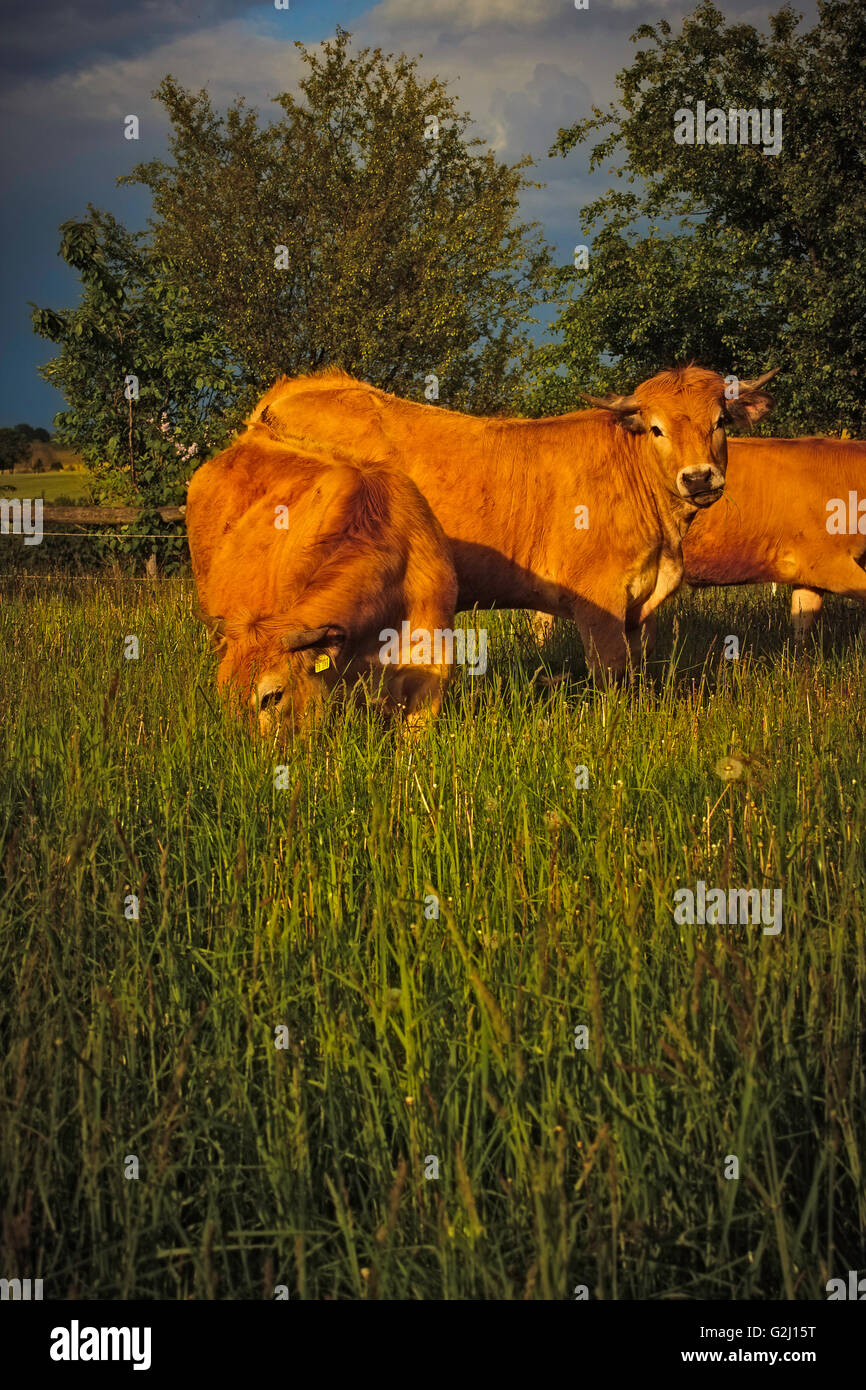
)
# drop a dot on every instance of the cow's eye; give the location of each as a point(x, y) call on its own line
point(659, 434)
point(273, 697)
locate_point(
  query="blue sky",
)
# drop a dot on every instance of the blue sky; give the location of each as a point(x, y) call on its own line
point(70, 73)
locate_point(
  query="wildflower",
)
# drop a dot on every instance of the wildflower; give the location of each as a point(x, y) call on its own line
point(730, 769)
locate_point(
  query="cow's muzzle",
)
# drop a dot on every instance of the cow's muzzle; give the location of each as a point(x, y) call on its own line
point(700, 486)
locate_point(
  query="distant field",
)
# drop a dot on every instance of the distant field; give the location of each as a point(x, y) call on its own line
point(418, 1045)
point(48, 486)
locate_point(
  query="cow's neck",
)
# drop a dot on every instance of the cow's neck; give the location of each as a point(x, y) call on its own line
point(673, 517)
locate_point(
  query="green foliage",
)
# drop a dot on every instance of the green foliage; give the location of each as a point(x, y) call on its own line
point(403, 254)
point(32, 435)
point(14, 447)
point(134, 320)
point(410, 1035)
point(763, 258)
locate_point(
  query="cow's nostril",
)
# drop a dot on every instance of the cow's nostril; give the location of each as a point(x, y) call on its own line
point(698, 478)
point(273, 697)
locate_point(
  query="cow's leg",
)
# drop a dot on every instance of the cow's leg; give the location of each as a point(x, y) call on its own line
point(641, 623)
point(432, 598)
point(605, 641)
point(650, 633)
point(541, 625)
point(806, 604)
point(841, 575)
point(642, 638)
point(855, 582)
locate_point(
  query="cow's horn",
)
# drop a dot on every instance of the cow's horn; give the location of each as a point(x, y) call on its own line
point(210, 620)
point(302, 637)
point(746, 387)
point(620, 405)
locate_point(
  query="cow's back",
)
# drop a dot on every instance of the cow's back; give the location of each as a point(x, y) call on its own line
point(223, 489)
point(503, 488)
point(350, 416)
point(351, 528)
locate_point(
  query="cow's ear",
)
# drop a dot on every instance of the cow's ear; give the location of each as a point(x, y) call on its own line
point(752, 403)
point(301, 639)
point(625, 408)
point(633, 423)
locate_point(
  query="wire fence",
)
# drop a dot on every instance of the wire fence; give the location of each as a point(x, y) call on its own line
point(115, 535)
point(96, 517)
point(17, 578)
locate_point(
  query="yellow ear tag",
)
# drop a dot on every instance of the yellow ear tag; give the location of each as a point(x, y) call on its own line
point(322, 662)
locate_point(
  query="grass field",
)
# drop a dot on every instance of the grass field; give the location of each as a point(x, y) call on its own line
point(48, 486)
point(409, 1037)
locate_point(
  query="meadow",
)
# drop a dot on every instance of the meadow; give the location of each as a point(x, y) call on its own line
point(427, 1127)
point(51, 487)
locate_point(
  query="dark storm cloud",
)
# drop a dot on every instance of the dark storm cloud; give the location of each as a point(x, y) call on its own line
point(72, 71)
point(54, 35)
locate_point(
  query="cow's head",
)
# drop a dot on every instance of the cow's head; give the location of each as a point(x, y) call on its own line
point(274, 673)
point(313, 660)
point(683, 413)
point(296, 673)
point(279, 676)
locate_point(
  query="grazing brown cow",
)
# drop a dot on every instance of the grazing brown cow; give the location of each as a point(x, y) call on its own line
point(794, 512)
point(300, 561)
point(580, 515)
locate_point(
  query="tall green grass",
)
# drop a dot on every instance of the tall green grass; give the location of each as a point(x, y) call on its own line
point(412, 1037)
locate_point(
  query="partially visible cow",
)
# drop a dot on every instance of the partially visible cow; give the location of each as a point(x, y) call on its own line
point(300, 561)
point(581, 515)
point(794, 512)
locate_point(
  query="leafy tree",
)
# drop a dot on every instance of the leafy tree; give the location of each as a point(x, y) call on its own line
point(14, 448)
point(135, 322)
point(26, 435)
point(762, 258)
point(402, 253)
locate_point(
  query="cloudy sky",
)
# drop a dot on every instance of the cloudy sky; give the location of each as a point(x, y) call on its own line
point(71, 70)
